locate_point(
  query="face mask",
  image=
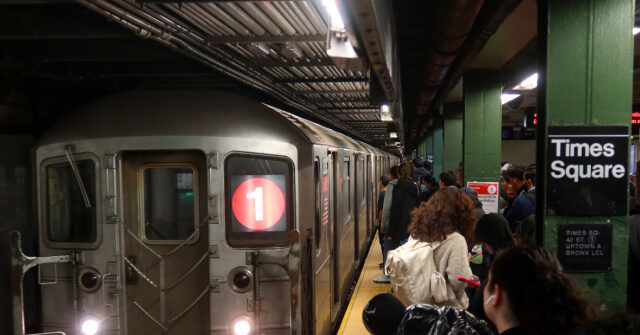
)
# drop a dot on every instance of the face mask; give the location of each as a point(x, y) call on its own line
point(493, 296)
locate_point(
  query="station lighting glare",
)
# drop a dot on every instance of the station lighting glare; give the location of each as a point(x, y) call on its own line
point(385, 114)
point(529, 83)
point(636, 30)
point(241, 325)
point(506, 97)
point(336, 18)
point(89, 327)
point(393, 134)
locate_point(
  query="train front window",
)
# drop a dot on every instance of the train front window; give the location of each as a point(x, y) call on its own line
point(169, 203)
point(259, 200)
point(70, 219)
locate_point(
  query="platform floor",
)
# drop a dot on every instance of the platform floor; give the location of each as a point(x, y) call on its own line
point(364, 291)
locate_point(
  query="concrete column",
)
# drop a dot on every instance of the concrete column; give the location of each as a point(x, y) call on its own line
point(482, 126)
point(438, 129)
point(587, 62)
point(452, 142)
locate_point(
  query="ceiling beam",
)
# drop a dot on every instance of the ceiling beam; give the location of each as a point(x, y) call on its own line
point(265, 38)
point(320, 80)
point(364, 109)
point(333, 92)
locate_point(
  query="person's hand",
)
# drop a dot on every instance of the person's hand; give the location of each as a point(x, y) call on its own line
point(475, 279)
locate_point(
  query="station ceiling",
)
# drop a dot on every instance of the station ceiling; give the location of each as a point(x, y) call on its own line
point(57, 54)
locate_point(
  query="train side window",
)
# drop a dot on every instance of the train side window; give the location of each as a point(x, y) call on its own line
point(170, 208)
point(259, 200)
point(69, 220)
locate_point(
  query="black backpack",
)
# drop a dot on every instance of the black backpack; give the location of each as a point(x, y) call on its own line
point(526, 228)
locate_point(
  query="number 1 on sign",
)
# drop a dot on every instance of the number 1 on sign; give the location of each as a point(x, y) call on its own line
point(258, 203)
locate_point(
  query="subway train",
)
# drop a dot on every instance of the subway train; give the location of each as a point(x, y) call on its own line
point(199, 212)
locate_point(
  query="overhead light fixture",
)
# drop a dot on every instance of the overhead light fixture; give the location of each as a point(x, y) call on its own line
point(336, 18)
point(393, 134)
point(636, 30)
point(385, 113)
point(529, 83)
point(506, 97)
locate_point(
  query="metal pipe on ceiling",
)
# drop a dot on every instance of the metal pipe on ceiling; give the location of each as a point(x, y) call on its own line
point(261, 17)
point(176, 35)
point(243, 17)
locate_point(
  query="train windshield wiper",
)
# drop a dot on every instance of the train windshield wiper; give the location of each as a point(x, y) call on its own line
point(85, 197)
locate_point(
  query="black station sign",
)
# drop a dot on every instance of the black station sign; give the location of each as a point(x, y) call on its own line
point(585, 247)
point(587, 172)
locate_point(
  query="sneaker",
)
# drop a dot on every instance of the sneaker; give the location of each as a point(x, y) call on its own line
point(381, 265)
point(382, 279)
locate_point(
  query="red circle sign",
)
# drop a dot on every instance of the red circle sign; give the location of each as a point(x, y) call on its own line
point(258, 203)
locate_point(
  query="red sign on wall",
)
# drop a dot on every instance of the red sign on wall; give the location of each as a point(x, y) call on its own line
point(258, 203)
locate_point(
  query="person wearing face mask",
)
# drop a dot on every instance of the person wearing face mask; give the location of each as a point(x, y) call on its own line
point(527, 293)
point(493, 232)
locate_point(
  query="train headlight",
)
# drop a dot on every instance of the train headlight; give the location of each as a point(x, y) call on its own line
point(89, 279)
point(240, 279)
point(90, 326)
point(241, 325)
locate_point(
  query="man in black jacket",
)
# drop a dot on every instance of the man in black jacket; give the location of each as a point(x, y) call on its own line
point(405, 199)
point(418, 169)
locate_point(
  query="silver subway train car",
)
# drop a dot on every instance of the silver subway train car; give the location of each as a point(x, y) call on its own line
point(199, 212)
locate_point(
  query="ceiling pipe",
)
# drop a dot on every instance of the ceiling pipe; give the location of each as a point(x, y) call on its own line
point(489, 19)
point(453, 23)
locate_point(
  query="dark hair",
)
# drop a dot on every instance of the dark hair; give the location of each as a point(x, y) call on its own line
point(448, 178)
point(428, 179)
point(418, 162)
point(427, 165)
point(384, 180)
point(549, 302)
point(393, 171)
point(530, 174)
point(448, 210)
point(404, 171)
point(516, 171)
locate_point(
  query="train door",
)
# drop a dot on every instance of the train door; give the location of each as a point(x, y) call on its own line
point(322, 239)
point(165, 243)
point(360, 208)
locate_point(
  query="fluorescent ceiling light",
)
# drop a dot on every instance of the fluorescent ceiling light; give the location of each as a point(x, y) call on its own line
point(336, 18)
point(385, 114)
point(636, 30)
point(529, 83)
point(393, 134)
point(506, 97)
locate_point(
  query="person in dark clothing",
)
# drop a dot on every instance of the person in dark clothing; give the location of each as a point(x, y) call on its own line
point(528, 293)
point(384, 181)
point(633, 266)
point(418, 169)
point(525, 203)
point(477, 205)
point(515, 176)
point(405, 199)
point(507, 193)
point(432, 187)
point(494, 234)
point(382, 314)
point(448, 179)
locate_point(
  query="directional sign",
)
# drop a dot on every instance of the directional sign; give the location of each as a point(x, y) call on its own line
point(258, 203)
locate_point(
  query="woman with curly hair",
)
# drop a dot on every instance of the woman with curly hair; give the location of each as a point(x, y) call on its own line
point(527, 293)
point(448, 218)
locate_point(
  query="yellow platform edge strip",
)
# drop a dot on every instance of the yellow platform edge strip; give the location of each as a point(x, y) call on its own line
point(358, 288)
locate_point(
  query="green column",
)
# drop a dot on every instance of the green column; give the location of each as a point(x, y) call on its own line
point(482, 126)
point(588, 55)
point(452, 143)
point(438, 128)
point(422, 147)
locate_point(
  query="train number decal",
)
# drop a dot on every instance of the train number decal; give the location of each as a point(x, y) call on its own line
point(258, 203)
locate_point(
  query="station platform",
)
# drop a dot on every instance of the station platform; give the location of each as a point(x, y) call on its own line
point(364, 291)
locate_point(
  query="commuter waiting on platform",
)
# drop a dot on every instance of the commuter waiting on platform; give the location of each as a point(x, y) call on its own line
point(384, 181)
point(448, 179)
point(384, 223)
point(515, 176)
point(448, 218)
point(524, 205)
point(405, 199)
point(527, 293)
point(507, 194)
point(418, 169)
point(477, 205)
point(431, 186)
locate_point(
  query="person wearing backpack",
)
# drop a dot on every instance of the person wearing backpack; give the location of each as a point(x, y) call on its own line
point(425, 269)
point(525, 204)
